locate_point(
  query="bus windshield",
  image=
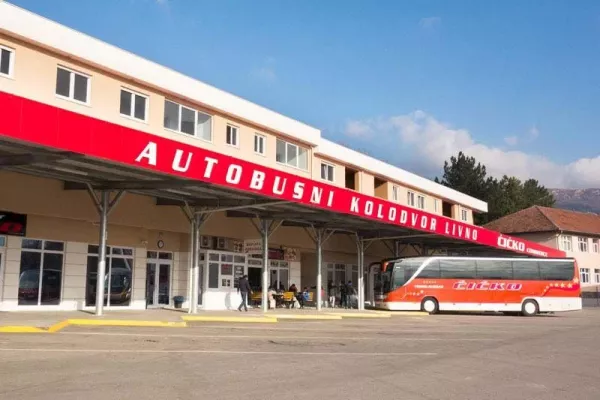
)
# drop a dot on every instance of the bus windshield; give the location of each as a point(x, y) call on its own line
point(404, 270)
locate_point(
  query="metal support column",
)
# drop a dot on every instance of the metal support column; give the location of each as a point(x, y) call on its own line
point(104, 206)
point(265, 227)
point(361, 246)
point(319, 236)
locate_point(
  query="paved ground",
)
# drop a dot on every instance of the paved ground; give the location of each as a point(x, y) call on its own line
point(429, 357)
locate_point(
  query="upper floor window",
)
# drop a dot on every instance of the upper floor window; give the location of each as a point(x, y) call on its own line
point(291, 154)
point(410, 199)
point(584, 275)
point(464, 215)
point(260, 144)
point(583, 244)
point(133, 105)
point(436, 205)
point(566, 243)
point(596, 275)
point(595, 246)
point(327, 172)
point(395, 195)
point(7, 61)
point(232, 138)
point(421, 202)
point(72, 85)
point(186, 120)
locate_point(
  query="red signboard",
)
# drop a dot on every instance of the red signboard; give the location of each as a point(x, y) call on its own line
point(26, 120)
point(12, 224)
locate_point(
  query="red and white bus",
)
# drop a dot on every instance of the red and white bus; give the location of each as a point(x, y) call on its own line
point(439, 283)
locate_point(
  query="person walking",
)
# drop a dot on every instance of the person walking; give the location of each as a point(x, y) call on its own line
point(244, 289)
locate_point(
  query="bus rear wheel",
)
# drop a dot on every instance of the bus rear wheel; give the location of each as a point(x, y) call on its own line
point(430, 305)
point(530, 308)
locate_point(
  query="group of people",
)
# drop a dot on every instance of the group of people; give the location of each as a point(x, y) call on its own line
point(344, 290)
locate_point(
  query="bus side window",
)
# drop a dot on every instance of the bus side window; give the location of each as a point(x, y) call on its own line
point(458, 269)
point(557, 270)
point(526, 270)
point(494, 269)
point(431, 271)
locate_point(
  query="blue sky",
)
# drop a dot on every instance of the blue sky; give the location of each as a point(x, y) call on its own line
point(516, 84)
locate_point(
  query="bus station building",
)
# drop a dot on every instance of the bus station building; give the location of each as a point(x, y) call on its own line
point(114, 166)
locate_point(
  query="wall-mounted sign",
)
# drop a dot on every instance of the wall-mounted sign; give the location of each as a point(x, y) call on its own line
point(253, 246)
point(290, 254)
point(12, 223)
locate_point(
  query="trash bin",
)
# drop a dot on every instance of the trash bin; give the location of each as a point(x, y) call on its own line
point(178, 301)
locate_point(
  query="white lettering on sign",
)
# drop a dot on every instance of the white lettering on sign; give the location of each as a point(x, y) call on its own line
point(177, 161)
point(150, 152)
point(279, 185)
point(298, 190)
point(369, 207)
point(511, 244)
point(210, 163)
point(234, 174)
point(258, 180)
point(316, 195)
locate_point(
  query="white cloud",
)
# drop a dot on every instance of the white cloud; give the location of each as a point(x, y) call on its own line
point(432, 142)
point(266, 72)
point(358, 129)
point(430, 22)
point(511, 140)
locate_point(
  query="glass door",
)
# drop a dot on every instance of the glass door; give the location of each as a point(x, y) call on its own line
point(158, 278)
point(150, 284)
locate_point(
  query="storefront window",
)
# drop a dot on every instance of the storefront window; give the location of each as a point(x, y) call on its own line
point(225, 269)
point(40, 276)
point(119, 268)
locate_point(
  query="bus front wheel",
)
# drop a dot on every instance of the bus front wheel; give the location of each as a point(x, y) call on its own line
point(430, 305)
point(530, 308)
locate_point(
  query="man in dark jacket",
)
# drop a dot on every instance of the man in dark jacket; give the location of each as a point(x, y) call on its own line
point(244, 289)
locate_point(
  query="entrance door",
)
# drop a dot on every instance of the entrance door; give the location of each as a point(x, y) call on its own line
point(158, 283)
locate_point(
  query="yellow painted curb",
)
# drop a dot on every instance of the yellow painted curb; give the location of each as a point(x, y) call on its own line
point(21, 329)
point(58, 326)
point(125, 322)
point(362, 315)
point(208, 318)
point(410, 313)
point(307, 316)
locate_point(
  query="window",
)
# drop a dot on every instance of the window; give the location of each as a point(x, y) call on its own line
point(436, 205)
point(464, 215)
point(585, 275)
point(291, 154)
point(232, 136)
point(431, 271)
point(327, 172)
point(395, 193)
point(526, 270)
point(405, 269)
point(421, 202)
point(458, 269)
point(225, 269)
point(118, 276)
point(583, 244)
point(566, 243)
point(410, 199)
point(72, 85)
point(40, 276)
point(133, 105)
point(260, 144)
point(185, 120)
point(595, 245)
point(494, 269)
point(596, 275)
point(7, 61)
point(557, 270)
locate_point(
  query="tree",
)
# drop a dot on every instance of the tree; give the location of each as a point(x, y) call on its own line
point(505, 196)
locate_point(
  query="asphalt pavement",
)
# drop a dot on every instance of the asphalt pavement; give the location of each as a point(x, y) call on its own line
point(402, 357)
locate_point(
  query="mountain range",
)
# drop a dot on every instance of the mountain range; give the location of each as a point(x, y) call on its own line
point(586, 200)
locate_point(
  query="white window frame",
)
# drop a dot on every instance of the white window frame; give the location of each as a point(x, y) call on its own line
point(235, 136)
point(132, 111)
point(596, 275)
point(410, 198)
point(43, 251)
point(286, 163)
point(328, 165)
point(582, 244)
point(196, 112)
point(584, 274)
point(258, 138)
point(595, 247)
point(73, 72)
point(436, 205)
point(395, 193)
point(566, 243)
point(420, 201)
point(108, 271)
point(11, 63)
point(464, 215)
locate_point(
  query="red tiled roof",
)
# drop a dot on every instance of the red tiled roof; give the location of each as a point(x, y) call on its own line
point(545, 219)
